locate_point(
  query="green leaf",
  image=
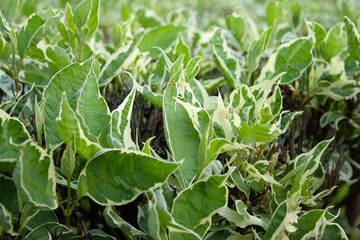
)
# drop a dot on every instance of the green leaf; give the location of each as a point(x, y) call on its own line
point(6, 83)
point(353, 39)
point(115, 221)
point(221, 119)
point(6, 221)
point(257, 48)
point(256, 133)
point(237, 26)
point(12, 134)
point(4, 23)
point(227, 234)
point(42, 233)
point(281, 223)
point(211, 84)
point(34, 176)
point(225, 60)
point(200, 230)
point(214, 148)
point(285, 120)
point(179, 126)
point(319, 32)
point(272, 106)
point(93, 20)
point(160, 37)
point(68, 160)
point(253, 172)
point(333, 232)
point(69, 17)
point(274, 11)
point(240, 183)
point(81, 13)
point(119, 34)
point(335, 42)
point(70, 80)
point(39, 119)
point(292, 57)
point(96, 234)
point(307, 225)
point(192, 68)
point(154, 98)
point(166, 218)
point(131, 174)
point(198, 203)
point(317, 223)
point(120, 131)
point(310, 161)
point(39, 217)
point(5, 49)
point(21, 104)
point(120, 60)
point(148, 220)
point(69, 128)
point(34, 31)
point(32, 74)
point(183, 48)
point(58, 56)
point(93, 108)
point(240, 220)
point(9, 200)
point(343, 89)
point(333, 118)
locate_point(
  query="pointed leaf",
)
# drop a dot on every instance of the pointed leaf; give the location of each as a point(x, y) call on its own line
point(93, 108)
point(42, 233)
point(115, 221)
point(69, 129)
point(118, 176)
point(160, 37)
point(58, 56)
point(292, 58)
point(12, 134)
point(34, 176)
point(240, 183)
point(34, 32)
point(196, 204)
point(240, 220)
point(120, 60)
point(81, 13)
point(334, 42)
point(70, 80)
point(257, 48)
point(353, 39)
point(68, 160)
point(225, 60)
point(6, 221)
point(120, 131)
point(179, 126)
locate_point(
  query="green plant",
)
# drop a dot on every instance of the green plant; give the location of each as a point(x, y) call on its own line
point(174, 124)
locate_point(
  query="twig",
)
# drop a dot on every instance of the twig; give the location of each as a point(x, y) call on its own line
point(54, 235)
point(310, 142)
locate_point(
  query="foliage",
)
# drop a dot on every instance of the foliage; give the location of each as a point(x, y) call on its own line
point(172, 121)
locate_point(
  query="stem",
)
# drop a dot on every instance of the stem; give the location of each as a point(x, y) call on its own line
point(74, 204)
point(292, 140)
point(40, 138)
point(68, 204)
point(16, 77)
point(62, 207)
point(13, 77)
point(24, 218)
point(80, 47)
